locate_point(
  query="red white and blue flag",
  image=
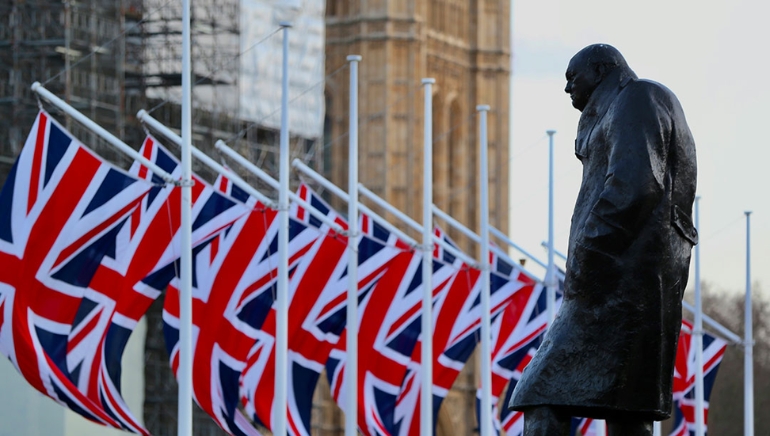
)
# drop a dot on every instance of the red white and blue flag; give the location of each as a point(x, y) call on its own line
point(111, 307)
point(456, 333)
point(684, 378)
point(234, 286)
point(116, 298)
point(516, 335)
point(447, 311)
point(389, 327)
point(308, 278)
point(60, 210)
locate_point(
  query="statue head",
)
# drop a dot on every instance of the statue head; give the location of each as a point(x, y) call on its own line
point(588, 68)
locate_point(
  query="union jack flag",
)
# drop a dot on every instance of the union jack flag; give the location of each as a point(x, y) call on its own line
point(317, 317)
point(684, 378)
point(306, 282)
point(116, 299)
point(456, 332)
point(111, 308)
point(389, 327)
point(516, 335)
point(235, 279)
point(60, 210)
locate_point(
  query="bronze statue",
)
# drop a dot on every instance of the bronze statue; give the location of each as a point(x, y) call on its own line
point(610, 352)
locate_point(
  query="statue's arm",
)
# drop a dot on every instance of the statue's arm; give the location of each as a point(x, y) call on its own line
point(638, 135)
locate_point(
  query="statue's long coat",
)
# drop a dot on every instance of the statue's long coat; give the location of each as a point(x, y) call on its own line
point(613, 344)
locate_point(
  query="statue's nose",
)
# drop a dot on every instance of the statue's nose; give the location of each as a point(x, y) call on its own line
point(568, 88)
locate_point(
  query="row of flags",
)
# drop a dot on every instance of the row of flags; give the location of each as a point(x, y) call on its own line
point(87, 247)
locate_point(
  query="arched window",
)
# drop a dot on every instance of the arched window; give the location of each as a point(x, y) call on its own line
point(440, 155)
point(326, 151)
point(461, 195)
point(471, 186)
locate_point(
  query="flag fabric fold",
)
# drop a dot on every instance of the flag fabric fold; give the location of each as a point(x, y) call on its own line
point(457, 331)
point(111, 307)
point(147, 246)
point(684, 378)
point(61, 208)
point(516, 335)
point(389, 327)
point(307, 280)
point(234, 287)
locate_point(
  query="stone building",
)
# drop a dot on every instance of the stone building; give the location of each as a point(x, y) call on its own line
point(466, 47)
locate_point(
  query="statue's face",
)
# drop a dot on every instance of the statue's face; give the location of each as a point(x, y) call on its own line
point(582, 80)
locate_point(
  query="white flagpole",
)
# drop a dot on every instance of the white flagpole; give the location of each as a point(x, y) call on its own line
point(656, 429)
point(426, 395)
point(486, 353)
point(246, 164)
point(697, 336)
point(164, 131)
point(99, 130)
point(503, 237)
point(362, 207)
point(282, 315)
point(351, 370)
point(748, 362)
point(550, 280)
point(476, 238)
point(185, 299)
point(414, 224)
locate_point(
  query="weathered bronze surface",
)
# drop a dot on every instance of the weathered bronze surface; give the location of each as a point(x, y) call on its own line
point(610, 352)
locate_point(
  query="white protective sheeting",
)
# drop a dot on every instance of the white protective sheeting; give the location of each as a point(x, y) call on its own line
point(260, 78)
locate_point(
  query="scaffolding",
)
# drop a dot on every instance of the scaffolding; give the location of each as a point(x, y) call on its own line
point(215, 28)
point(217, 75)
point(110, 58)
point(77, 49)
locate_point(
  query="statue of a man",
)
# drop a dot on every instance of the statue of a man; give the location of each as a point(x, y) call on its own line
point(610, 352)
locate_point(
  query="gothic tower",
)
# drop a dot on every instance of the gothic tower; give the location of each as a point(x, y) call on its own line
point(466, 46)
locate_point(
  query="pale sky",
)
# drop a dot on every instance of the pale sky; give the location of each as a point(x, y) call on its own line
point(713, 55)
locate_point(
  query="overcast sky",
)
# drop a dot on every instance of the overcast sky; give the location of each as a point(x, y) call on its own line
point(712, 55)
